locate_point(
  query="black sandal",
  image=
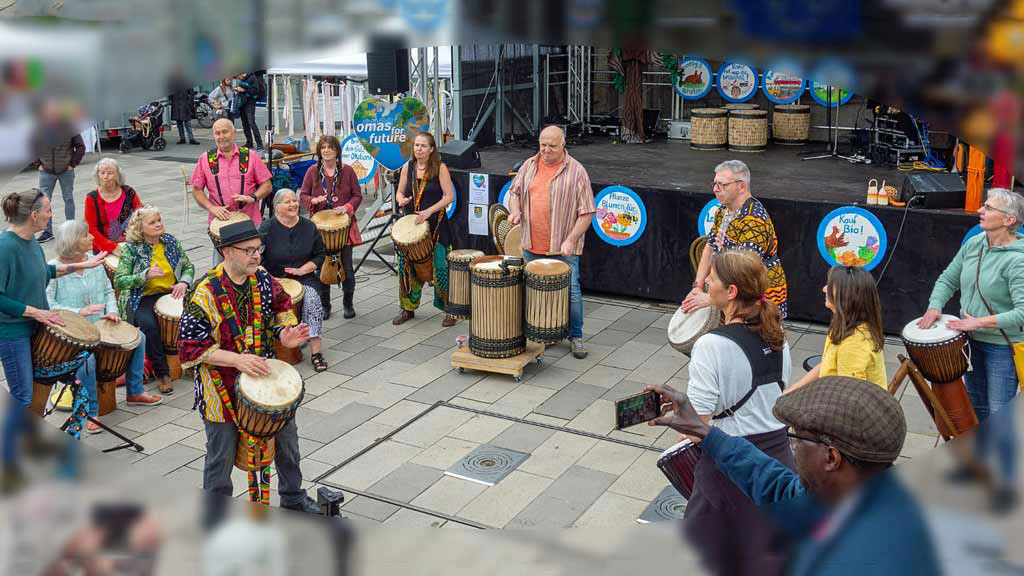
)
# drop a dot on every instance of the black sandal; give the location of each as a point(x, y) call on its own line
point(319, 364)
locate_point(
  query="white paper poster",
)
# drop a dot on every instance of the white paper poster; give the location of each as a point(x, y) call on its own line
point(478, 219)
point(478, 187)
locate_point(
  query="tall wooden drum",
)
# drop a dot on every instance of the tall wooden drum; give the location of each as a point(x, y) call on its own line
point(53, 346)
point(942, 356)
point(266, 404)
point(168, 311)
point(296, 291)
point(414, 242)
point(547, 300)
point(118, 341)
point(496, 327)
point(709, 128)
point(791, 124)
point(458, 305)
point(333, 228)
point(748, 130)
point(216, 225)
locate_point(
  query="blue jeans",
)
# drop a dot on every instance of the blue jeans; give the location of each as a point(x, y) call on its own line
point(133, 381)
point(991, 385)
point(185, 127)
point(47, 182)
point(575, 294)
point(16, 356)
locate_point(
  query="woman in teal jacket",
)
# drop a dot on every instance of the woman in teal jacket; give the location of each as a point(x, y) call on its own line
point(989, 273)
point(153, 263)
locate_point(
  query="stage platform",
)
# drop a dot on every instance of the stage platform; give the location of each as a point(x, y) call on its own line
point(673, 183)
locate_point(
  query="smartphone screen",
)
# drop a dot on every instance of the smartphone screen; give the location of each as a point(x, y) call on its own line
point(637, 409)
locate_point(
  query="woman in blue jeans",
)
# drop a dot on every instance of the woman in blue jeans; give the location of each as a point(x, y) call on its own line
point(989, 273)
point(24, 275)
point(88, 293)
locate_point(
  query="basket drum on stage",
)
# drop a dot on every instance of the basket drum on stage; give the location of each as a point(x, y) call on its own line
point(458, 305)
point(547, 300)
point(741, 106)
point(942, 356)
point(333, 228)
point(296, 291)
point(265, 405)
point(414, 242)
point(748, 130)
point(118, 341)
point(679, 464)
point(685, 328)
point(216, 225)
point(56, 345)
point(791, 124)
point(496, 327)
point(709, 128)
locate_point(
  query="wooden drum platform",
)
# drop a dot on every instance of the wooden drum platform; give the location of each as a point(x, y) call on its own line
point(462, 358)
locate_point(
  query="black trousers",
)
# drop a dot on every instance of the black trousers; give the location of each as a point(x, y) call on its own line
point(348, 285)
point(145, 319)
point(252, 131)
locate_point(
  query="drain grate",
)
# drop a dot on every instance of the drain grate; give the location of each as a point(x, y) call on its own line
point(669, 505)
point(487, 465)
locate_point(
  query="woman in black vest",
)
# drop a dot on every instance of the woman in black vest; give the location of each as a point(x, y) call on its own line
point(737, 372)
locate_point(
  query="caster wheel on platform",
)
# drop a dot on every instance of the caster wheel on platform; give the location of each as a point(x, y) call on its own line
point(462, 370)
point(540, 360)
point(517, 379)
point(159, 144)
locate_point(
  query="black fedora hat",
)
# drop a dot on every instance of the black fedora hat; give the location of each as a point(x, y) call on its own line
point(237, 232)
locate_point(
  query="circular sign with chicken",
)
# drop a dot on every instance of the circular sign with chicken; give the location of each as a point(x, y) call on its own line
point(694, 78)
point(851, 236)
point(621, 216)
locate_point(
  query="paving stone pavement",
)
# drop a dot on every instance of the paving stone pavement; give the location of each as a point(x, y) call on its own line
point(382, 376)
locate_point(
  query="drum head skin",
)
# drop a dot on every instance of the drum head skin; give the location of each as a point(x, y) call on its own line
point(937, 333)
point(169, 306)
point(77, 328)
point(407, 231)
point(681, 445)
point(513, 243)
point(547, 267)
point(684, 327)
point(490, 263)
point(464, 255)
point(293, 288)
point(330, 220)
point(233, 217)
point(118, 334)
point(276, 391)
point(111, 262)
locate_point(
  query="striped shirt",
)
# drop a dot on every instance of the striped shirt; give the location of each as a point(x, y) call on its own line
point(571, 197)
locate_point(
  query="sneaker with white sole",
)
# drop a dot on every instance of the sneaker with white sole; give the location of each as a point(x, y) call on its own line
point(579, 351)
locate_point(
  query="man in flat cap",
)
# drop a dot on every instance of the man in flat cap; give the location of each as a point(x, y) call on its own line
point(228, 327)
point(846, 514)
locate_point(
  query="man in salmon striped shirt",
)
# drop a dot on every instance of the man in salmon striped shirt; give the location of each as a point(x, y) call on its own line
point(552, 198)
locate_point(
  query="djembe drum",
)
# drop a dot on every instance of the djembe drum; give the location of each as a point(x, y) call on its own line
point(333, 228)
point(168, 311)
point(55, 354)
point(217, 224)
point(685, 328)
point(942, 356)
point(296, 291)
point(414, 242)
point(110, 264)
point(496, 326)
point(118, 341)
point(547, 300)
point(266, 404)
point(458, 305)
point(679, 464)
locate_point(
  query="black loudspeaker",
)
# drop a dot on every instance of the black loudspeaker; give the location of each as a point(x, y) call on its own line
point(460, 154)
point(387, 67)
point(937, 189)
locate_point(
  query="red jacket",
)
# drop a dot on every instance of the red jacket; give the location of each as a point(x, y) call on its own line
point(347, 192)
point(96, 216)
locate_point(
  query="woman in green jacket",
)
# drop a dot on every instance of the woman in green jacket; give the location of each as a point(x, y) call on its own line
point(989, 273)
point(153, 263)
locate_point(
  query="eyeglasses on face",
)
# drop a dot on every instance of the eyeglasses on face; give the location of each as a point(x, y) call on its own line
point(990, 208)
point(250, 252)
point(722, 185)
point(794, 436)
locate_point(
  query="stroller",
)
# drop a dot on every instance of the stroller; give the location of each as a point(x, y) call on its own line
point(146, 129)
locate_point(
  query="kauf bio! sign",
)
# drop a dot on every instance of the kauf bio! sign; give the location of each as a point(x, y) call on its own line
point(851, 236)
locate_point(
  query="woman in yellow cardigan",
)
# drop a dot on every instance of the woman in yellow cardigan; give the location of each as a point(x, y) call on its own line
point(855, 339)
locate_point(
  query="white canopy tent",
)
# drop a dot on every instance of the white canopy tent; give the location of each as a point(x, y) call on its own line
point(348, 60)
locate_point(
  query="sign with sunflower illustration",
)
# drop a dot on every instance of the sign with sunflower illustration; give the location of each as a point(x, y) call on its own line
point(621, 216)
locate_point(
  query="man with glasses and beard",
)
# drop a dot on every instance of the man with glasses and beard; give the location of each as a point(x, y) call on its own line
point(227, 327)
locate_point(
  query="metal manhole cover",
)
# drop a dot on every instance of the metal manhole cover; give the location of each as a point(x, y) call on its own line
point(669, 505)
point(487, 465)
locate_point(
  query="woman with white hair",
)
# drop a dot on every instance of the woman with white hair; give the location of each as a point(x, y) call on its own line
point(294, 249)
point(989, 273)
point(87, 292)
point(108, 207)
point(153, 263)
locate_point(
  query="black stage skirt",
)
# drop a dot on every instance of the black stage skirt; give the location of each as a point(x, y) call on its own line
point(729, 533)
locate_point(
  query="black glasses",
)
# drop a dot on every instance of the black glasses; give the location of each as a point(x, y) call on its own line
point(250, 252)
point(723, 184)
point(794, 436)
